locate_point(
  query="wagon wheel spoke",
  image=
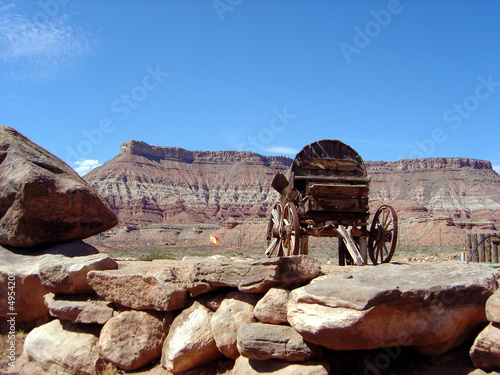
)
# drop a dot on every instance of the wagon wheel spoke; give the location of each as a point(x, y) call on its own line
point(383, 235)
point(291, 230)
point(274, 245)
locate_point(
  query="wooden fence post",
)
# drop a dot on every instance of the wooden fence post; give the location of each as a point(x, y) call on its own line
point(487, 249)
point(468, 246)
point(494, 251)
point(480, 249)
point(475, 257)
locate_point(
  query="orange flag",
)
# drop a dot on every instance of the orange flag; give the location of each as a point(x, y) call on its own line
point(214, 240)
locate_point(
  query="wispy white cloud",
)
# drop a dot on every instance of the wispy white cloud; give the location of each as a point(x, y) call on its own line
point(282, 150)
point(84, 166)
point(39, 51)
point(496, 168)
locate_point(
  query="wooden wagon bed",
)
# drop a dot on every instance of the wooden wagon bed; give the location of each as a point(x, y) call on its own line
point(325, 193)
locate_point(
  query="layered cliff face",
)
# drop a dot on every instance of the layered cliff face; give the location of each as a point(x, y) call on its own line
point(148, 184)
point(171, 186)
point(456, 187)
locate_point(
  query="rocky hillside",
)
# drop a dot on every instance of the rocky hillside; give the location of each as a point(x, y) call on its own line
point(151, 185)
point(456, 187)
point(148, 184)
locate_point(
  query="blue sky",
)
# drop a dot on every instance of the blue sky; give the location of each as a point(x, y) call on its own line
point(393, 79)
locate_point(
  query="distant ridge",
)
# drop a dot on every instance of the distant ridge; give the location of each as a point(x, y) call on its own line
point(147, 184)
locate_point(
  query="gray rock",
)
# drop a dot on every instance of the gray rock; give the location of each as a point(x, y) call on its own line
point(257, 276)
point(45, 201)
point(432, 308)
point(269, 341)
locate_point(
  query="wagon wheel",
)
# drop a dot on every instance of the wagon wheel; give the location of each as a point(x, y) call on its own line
point(283, 231)
point(291, 235)
point(383, 235)
point(274, 241)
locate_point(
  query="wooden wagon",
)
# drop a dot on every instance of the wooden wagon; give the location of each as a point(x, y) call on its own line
point(324, 193)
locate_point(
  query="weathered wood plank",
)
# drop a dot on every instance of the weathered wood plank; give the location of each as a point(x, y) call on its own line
point(358, 205)
point(337, 190)
point(329, 164)
point(279, 182)
point(355, 180)
point(351, 245)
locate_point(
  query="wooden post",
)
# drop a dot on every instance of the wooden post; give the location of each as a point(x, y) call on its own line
point(351, 245)
point(468, 246)
point(363, 248)
point(480, 249)
point(487, 249)
point(304, 245)
point(475, 257)
point(342, 251)
point(494, 250)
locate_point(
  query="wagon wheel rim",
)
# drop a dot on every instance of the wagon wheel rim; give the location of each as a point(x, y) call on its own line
point(274, 229)
point(291, 230)
point(383, 235)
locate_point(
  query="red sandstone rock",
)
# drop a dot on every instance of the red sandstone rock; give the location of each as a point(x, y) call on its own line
point(132, 339)
point(234, 311)
point(190, 342)
point(431, 308)
point(42, 199)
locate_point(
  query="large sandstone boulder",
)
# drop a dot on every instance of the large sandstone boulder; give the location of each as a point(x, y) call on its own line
point(190, 342)
point(234, 311)
point(432, 308)
point(21, 274)
point(61, 347)
point(68, 275)
point(245, 366)
point(269, 341)
point(145, 286)
point(42, 199)
point(132, 339)
point(23, 270)
point(257, 276)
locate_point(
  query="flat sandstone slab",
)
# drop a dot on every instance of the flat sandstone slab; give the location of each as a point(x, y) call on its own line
point(432, 308)
point(257, 276)
point(157, 285)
